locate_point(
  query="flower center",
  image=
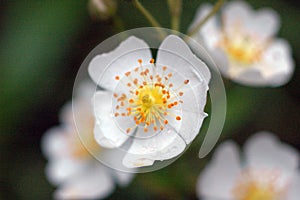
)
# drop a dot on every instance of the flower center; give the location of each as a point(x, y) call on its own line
point(149, 96)
point(241, 48)
point(263, 185)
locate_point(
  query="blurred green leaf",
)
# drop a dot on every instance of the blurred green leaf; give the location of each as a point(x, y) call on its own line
point(34, 41)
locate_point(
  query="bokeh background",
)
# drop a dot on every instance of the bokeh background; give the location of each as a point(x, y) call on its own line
point(42, 46)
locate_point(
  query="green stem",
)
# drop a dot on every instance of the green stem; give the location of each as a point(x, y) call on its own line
point(198, 26)
point(149, 17)
point(146, 13)
point(118, 23)
point(175, 10)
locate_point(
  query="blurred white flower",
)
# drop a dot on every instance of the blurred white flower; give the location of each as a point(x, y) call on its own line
point(268, 170)
point(102, 9)
point(244, 46)
point(71, 167)
point(158, 104)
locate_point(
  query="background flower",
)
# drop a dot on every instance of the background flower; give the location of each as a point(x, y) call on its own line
point(242, 42)
point(268, 170)
point(71, 166)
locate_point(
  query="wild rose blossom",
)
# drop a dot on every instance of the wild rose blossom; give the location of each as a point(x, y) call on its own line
point(158, 104)
point(268, 170)
point(242, 42)
point(70, 166)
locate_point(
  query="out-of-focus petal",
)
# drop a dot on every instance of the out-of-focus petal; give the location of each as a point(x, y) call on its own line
point(218, 178)
point(266, 151)
point(92, 183)
point(293, 192)
point(209, 33)
point(60, 170)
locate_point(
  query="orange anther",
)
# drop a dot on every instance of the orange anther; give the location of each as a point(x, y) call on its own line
point(128, 130)
point(180, 93)
point(117, 78)
point(116, 114)
point(166, 121)
point(129, 84)
point(164, 68)
point(155, 128)
point(140, 61)
point(186, 81)
point(127, 73)
point(115, 95)
point(145, 129)
point(152, 61)
point(178, 118)
point(170, 85)
point(131, 101)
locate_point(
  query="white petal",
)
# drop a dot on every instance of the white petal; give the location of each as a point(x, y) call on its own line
point(106, 133)
point(192, 116)
point(221, 60)
point(175, 53)
point(81, 103)
point(101, 139)
point(235, 13)
point(263, 24)
point(251, 76)
point(54, 143)
point(60, 170)
point(278, 64)
point(124, 178)
point(264, 150)
point(144, 151)
point(209, 33)
point(90, 184)
point(103, 68)
point(293, 192)
point(218, 178)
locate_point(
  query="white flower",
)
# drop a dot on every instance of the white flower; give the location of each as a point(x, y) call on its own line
point(244, 46)
point(71, 167)
point(102, 9)
point(159, 105)
point(268, 170)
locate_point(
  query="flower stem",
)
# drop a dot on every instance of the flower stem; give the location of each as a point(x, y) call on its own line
point(149, 17)
point(118, 23)
point(146, 13)
point(214, 10)
point(175, 10)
